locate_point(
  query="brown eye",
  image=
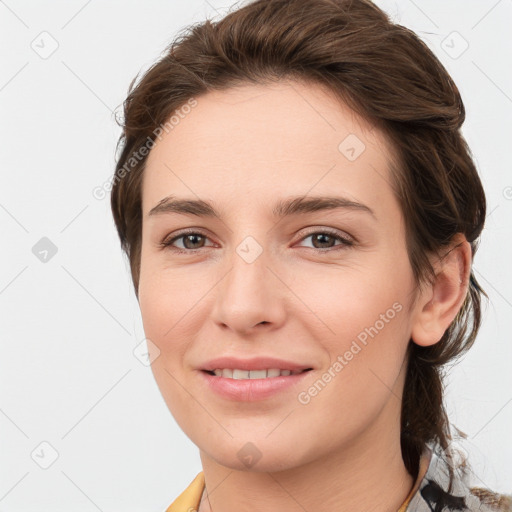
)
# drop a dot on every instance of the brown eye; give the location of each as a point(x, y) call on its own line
point(323, 239)
point(327, 240)
point(189, 242)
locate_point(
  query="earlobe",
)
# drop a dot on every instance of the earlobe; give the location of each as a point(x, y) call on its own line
point(440, 302)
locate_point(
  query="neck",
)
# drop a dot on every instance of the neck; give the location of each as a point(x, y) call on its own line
point(366, 474)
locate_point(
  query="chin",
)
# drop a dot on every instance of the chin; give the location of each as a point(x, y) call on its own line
point(256, 456)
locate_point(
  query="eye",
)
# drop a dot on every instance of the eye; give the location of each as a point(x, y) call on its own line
point(191, 240)
point(325, 239)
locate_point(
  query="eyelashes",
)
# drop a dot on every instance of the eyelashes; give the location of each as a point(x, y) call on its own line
point(344, 241)
point(168, 243)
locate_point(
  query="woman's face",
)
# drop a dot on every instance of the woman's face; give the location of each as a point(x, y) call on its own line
point(321, 288)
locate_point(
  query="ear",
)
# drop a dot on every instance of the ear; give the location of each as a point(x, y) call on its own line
point(440, 302)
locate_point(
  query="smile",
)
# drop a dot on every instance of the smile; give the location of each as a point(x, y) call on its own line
point(238, 374)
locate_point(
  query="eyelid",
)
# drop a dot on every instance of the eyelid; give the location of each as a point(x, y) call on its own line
point(330, 231)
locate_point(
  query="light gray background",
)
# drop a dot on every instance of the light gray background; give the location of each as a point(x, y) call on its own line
point(68, 326)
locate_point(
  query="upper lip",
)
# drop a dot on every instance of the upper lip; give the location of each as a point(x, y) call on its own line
point(254, 363)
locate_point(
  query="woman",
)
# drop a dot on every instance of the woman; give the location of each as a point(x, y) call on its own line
point(301, 213)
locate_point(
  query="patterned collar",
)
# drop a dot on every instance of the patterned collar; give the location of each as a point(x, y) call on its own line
point(434, 494)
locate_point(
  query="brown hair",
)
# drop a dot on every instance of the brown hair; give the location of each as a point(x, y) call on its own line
point(388, 76)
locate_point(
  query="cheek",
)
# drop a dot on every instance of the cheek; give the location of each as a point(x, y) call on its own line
point(362, 378)
point(341, 302)
point(363, 331)
point(167, 299)
point(170, 302)
point(161, 311)
point(160, 318)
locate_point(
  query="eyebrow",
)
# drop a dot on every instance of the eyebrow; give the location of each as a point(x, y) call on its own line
point(284, 208)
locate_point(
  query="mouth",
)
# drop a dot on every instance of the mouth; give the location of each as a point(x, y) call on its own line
point(242, 385)
point(239, 374)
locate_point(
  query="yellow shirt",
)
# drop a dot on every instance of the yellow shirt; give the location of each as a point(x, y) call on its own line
point(189, 499)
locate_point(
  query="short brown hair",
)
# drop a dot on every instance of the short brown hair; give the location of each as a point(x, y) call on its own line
point(388, 76)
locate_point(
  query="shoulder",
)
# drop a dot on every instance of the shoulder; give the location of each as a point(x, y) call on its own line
point(492, 500)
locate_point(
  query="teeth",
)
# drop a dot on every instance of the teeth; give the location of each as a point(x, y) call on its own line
point(240, 374)
point(252, 374)
point(258, 374)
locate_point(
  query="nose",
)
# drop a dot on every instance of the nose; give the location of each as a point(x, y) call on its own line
point(250, 296)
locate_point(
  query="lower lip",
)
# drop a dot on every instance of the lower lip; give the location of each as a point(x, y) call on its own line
point(251, 390)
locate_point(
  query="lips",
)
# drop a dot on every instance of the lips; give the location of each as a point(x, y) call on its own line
point(252, 390)
point(242, 380)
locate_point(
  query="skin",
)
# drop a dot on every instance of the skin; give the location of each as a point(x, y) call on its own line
point(244, 149)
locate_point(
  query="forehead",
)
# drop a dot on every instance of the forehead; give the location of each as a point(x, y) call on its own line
point(282, 139)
